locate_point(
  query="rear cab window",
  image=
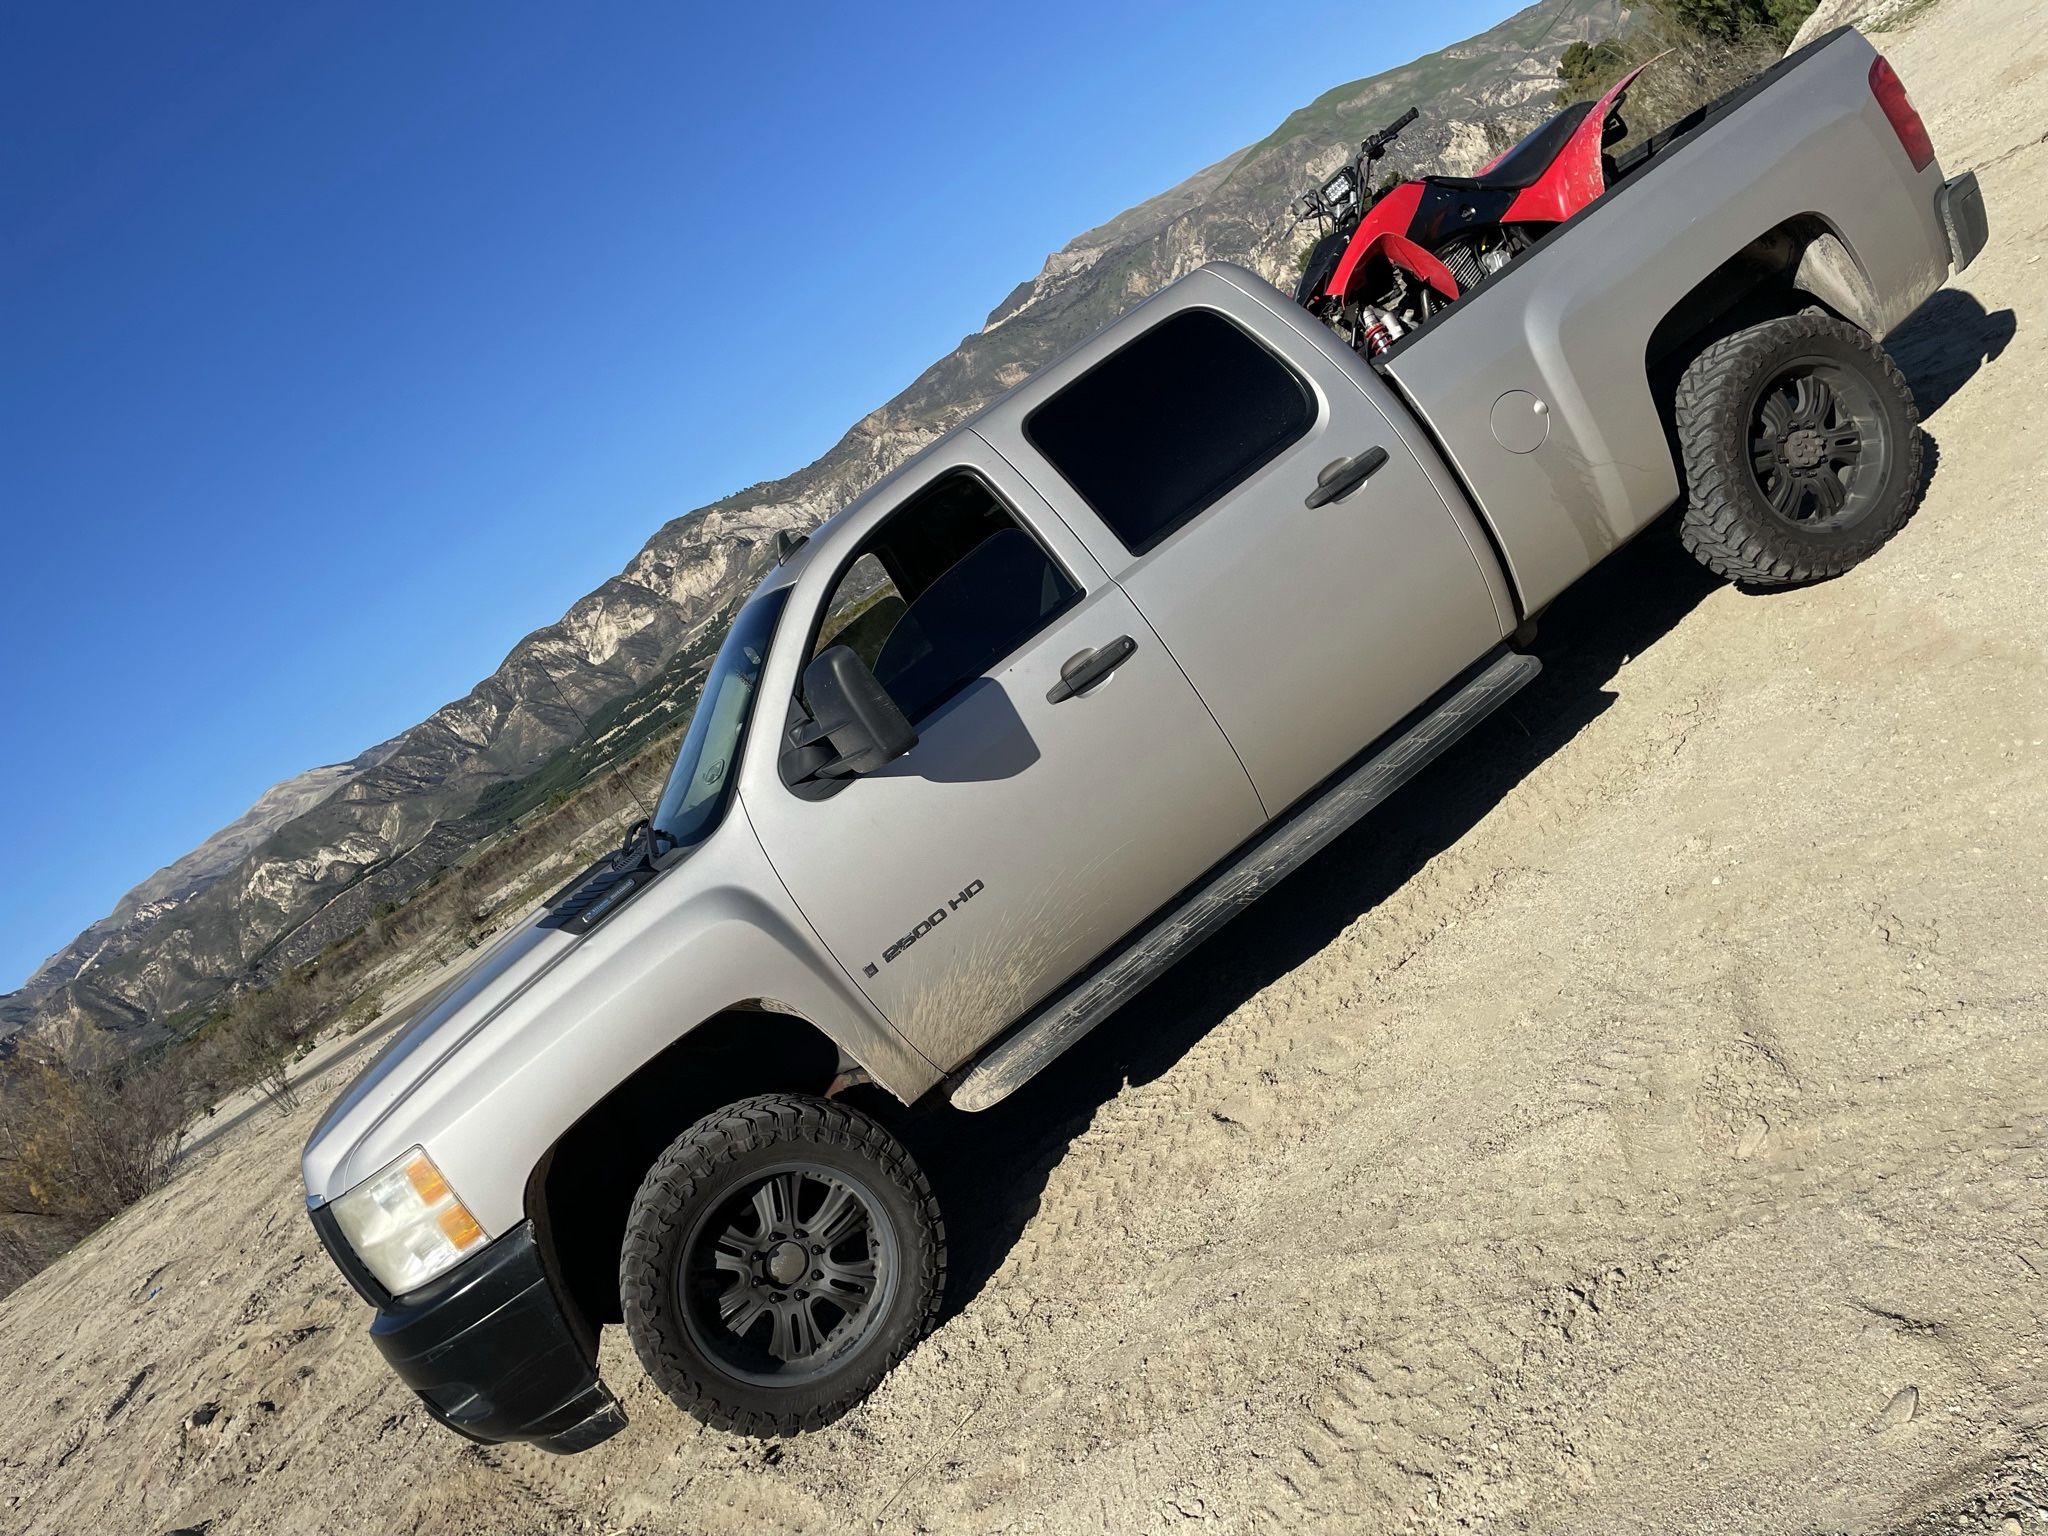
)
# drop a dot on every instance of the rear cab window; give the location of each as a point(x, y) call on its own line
point(948, 586)
point(1171, 423)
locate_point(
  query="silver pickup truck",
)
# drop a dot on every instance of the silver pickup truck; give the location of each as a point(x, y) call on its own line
point(1005, 738)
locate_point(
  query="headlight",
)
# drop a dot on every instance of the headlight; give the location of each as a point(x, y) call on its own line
point(405, 1223)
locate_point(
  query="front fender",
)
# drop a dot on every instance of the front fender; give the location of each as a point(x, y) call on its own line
point(712, 931)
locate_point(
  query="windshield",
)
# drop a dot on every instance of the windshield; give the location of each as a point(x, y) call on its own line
point(700, 785)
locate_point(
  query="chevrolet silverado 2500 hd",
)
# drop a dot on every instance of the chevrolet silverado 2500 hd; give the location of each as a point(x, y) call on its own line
point(1004, 738)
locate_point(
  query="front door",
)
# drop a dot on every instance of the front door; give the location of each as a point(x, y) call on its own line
point(1032, 825)
point(1309, 630)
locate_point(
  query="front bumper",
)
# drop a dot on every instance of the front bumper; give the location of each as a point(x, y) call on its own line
point(1963, 218)
point(489, 1350)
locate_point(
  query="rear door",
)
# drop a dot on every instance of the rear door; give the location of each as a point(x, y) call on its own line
point(1191, 441)
point(1032, 826)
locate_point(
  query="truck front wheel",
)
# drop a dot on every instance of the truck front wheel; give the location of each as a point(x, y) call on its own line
point(1802, 451)
point(781, 1256)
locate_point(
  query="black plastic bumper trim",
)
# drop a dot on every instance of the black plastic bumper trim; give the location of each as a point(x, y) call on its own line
point(1962, 215)
point(492, 1355)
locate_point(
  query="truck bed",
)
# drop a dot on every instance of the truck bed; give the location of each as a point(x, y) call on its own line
point(1544, 366)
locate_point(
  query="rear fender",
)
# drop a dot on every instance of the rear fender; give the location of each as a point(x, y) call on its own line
point(1579, 173)
point(1831, 273)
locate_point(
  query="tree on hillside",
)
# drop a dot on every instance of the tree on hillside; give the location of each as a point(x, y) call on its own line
point(75, 1150)
point(1702, 48)
point(261, 1037)
point(1586, 65)
point(1729, 20)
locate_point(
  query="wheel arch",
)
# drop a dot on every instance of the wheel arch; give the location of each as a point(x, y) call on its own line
point(1799, 263)
point(579, 1193)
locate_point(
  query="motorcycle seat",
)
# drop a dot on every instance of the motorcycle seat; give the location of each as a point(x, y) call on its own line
point(1524, 164)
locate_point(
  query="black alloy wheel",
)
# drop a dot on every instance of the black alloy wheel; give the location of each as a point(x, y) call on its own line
point(1818, 443)
point(783, 1276)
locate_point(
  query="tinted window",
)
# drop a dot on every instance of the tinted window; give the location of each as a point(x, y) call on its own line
point(1171, 423)
point(864, 609)
point(946, 588)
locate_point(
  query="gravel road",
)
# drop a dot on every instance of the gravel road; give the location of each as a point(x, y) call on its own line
point(1636, 1126)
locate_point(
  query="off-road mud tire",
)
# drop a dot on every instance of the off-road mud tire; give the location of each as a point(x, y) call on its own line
point(1728, 525)
point(706, 1164)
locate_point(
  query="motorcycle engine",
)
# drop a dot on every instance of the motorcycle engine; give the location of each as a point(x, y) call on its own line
point(1462, 257)
point(1477, 257)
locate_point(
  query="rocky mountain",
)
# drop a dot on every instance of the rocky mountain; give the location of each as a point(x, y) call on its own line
point(64, 997)
point(283, 875)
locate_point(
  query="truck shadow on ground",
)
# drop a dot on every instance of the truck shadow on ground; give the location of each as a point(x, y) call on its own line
point(1945, 343)
point(990, 1169)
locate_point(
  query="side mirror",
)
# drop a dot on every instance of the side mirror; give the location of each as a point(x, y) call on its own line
point(852, 711)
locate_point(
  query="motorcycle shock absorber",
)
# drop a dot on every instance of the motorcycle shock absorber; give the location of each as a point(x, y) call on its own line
point(1378, 329)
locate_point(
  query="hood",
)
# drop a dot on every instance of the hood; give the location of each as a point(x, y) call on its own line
point(449, 1017)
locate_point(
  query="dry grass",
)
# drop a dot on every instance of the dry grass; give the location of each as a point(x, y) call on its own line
point(76, 1149)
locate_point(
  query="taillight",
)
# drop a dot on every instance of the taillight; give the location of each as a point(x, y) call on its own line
point(1898, 110)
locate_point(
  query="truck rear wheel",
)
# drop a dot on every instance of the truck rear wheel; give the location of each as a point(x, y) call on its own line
point(1802, 451)
point(781, 1256)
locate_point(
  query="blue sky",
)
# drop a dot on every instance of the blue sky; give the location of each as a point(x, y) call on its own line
point(343, 344)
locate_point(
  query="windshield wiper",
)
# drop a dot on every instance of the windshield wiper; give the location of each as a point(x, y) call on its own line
point(643, 844)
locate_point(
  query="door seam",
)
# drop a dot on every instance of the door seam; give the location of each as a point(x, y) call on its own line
point(1150, 628)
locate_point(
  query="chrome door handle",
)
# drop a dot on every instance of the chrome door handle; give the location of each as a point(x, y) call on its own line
point(1340, 477)
point(1084, 669)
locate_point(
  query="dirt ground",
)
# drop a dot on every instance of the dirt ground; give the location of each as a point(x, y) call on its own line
point(1637, 1126)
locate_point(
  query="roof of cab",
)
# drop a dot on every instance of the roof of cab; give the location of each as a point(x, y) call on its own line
point(832, 528)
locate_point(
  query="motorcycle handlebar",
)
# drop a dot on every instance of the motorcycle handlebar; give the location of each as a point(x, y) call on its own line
point(1311, 202)
point(1387, 134)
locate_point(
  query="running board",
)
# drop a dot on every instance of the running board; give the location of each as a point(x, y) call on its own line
point(1024, 1054)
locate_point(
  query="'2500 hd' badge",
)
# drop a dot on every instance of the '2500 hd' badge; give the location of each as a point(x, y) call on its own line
point(926, 924)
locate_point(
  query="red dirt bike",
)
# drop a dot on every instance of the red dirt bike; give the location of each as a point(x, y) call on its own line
point(1389, 260)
